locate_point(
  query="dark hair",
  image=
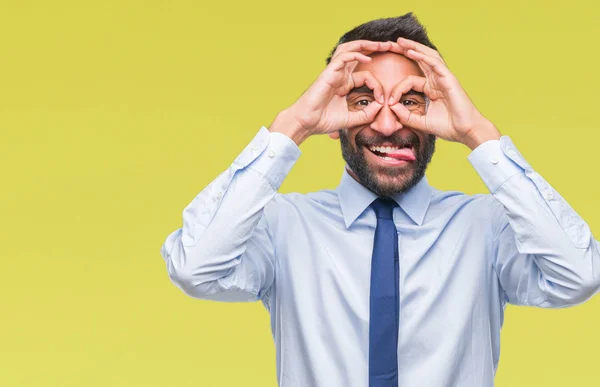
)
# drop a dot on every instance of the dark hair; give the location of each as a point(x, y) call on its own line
point(389, 29)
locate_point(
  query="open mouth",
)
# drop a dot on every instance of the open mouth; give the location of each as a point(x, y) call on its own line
point(393, 153)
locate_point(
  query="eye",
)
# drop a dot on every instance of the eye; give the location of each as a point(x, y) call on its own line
point(359, 103)
point(413, 104)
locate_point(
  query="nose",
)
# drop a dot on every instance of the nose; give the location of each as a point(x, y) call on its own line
point(386, 121)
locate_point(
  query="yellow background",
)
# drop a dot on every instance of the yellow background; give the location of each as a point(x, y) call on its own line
point(115, 114)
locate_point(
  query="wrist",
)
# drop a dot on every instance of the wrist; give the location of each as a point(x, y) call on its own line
point(480, 134)
point(285, 123)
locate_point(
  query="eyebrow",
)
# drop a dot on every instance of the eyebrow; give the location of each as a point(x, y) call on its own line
point(366, 90)
point(417, 93)
point(361, 90)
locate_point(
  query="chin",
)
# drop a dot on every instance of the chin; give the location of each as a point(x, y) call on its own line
point(398, 173)
point(390, 182)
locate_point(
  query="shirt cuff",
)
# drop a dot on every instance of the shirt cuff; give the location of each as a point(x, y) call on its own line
point(496, 161)
point(271, 154)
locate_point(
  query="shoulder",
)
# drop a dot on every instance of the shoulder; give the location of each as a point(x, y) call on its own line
point(294, 204)
point(311, 199)
point(457, 199)
point(476, 206)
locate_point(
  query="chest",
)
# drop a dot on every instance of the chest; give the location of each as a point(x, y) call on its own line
point(444, 266)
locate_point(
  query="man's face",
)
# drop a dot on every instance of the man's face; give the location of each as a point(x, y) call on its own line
point(385, 156)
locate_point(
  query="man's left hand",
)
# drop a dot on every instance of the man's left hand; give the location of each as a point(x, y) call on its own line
point(451, 115)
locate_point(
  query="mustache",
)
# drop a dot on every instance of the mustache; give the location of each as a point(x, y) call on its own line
point(395, 139)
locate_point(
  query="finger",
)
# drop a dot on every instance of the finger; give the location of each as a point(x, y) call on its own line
point(367, 47)
point(343, 59)
point(407, 44)
point(363, 46)
point(396, 48)
point(364, 116)
point(412, 82)
point(362, 78)
point(411, 119)
point(432, 63)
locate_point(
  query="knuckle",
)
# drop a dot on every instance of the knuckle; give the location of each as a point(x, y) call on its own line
point(342, 47)
point(343, 57)
point(335, 63)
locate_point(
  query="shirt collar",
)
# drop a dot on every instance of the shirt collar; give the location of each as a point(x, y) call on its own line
point(355, 198)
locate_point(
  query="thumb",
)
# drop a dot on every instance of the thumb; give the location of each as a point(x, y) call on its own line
point(364, 116)
point(408, 118)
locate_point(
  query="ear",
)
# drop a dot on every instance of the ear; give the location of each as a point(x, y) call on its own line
point(334, 135)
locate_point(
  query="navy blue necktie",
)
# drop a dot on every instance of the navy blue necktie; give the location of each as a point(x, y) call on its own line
point(384, 299)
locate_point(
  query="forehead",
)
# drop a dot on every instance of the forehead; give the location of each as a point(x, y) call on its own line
point(390, 68)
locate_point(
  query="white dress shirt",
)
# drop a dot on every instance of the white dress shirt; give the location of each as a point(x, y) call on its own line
point(307, 258)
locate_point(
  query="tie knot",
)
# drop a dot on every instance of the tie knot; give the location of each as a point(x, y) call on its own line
point(384, 208)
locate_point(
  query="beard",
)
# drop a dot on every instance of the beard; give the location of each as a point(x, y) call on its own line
point(387, 181)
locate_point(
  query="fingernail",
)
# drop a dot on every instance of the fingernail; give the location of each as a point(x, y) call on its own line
point(381, 99)
point(391, 101)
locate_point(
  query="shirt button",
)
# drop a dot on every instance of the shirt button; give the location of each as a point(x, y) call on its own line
point(494, 160)
point(255, 148)
point(219, 195)
point(512, 153)
point(549, 196)
point(272, 154)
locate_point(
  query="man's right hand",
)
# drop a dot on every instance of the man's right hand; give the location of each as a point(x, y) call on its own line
point(323, 107)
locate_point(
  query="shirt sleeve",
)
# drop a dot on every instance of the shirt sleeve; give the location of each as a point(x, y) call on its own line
point(224, 250)
point(545, 254)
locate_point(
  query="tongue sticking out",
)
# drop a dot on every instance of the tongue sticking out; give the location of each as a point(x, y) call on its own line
point(401, 154)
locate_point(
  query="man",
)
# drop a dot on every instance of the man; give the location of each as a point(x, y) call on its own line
point(384, 281)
